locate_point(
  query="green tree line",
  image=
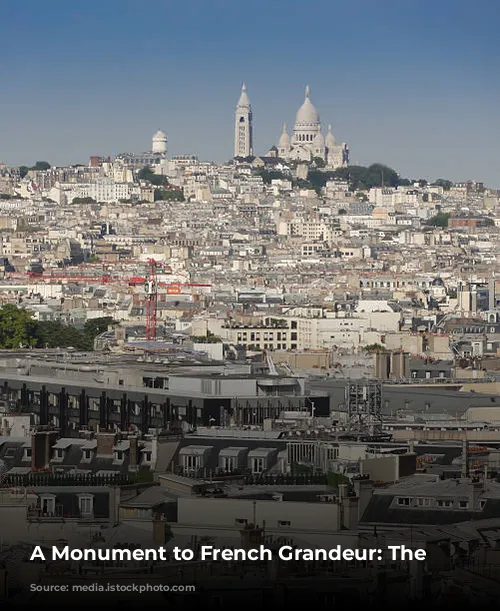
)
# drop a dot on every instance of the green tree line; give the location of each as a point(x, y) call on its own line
point(18, 329)
point(359, 178)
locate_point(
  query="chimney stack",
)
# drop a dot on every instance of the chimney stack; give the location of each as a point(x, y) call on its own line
point(159, 530)
point(41, 449)
point(133, 455)
point(105, 444)
point(465, 459)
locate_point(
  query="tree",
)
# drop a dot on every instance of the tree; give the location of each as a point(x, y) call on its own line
point(16, 327)
point(83, 200)
point(41, 166)
point(439, 220)
point(55, 334)
point(206, 339)
point(146, 173)
point(269, 175)
point(23, 170)
point(442, 182)
point(318, 162)
point(359, 177)
point(374, 348)
point(19, 329)
point(175, 195)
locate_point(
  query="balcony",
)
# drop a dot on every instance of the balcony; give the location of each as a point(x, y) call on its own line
point(48, 478)
point(38, 514)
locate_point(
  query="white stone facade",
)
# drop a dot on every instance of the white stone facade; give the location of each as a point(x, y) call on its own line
point(243, 136)
point(307, 141)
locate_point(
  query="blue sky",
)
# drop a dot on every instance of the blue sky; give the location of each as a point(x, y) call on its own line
point(410, 83)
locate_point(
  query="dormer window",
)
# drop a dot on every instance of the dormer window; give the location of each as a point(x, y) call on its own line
point(119, 455)
point(27, 454)
point(445, 503)
point(258, 465)
point(86, 505)
point(88, 450)
point(47, 504)
point(60, 448)
point(259, 460)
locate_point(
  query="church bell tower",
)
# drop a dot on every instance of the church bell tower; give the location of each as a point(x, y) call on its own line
point(243, 137)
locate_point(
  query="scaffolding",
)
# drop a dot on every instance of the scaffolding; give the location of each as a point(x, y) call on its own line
point(364, 407)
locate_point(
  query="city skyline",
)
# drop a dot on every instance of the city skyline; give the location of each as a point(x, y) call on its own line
point(411, 88)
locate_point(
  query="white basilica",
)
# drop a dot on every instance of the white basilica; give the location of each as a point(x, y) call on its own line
point(308, 142)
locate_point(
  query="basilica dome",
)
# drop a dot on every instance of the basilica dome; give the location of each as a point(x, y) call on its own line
point(319, 141)
point(307, 113)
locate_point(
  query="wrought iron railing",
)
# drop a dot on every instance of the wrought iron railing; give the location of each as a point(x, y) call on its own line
point(34, 480)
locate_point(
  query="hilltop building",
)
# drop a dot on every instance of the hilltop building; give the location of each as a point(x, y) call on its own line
point(243, 129)
point(307, 141)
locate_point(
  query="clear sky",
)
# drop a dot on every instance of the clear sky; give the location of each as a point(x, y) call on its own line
point(410, 83)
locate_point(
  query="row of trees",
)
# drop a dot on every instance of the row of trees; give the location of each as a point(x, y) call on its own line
point(39, 166)
point(19, 329)
point(360, 178)
point(163, 192)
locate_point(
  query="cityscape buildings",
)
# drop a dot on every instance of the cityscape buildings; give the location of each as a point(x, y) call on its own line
point(280, 349)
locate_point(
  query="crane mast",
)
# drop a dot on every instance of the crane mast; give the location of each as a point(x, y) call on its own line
point(151, 287)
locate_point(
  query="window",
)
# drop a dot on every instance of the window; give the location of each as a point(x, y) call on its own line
point(463, 504)
point(10, 453)
point(148, 456)
point(191, 462)
point(241, 521)
point(86, 504)
point(332, 453)
point(228, 463)
point(445, 503)
point(118, 455)
point(423, 502)
point(27, 453)
point(284, 523)
point(58, 453)
point(48, 504)
point(482, 504)
point(404, 501)
point(257, 465)
point(87, 454)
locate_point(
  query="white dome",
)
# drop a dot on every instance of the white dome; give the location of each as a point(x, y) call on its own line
point(159, 135)
point(319, 141)
point(307, 113)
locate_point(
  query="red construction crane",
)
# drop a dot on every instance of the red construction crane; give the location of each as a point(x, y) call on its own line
point(151, 285)
point(151, 288)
